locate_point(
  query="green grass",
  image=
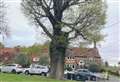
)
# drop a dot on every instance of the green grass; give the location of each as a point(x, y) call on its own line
point(24, 78)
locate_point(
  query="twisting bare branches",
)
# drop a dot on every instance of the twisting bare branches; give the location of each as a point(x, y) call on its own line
point(4, 29)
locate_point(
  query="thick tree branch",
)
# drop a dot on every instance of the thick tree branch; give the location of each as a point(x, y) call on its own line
point(50, 3)
point(47, 11)
point(44, 28)
point(77, 32)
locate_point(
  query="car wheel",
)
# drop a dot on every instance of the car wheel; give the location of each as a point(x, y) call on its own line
point(26, 72)
point(18, 72)
point(43, 74)
point(13, 71)
point(93, 78)
point(77, 77)
point(80, 78)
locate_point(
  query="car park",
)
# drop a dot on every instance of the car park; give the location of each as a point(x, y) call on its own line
point(35, 69)
point(12, 68)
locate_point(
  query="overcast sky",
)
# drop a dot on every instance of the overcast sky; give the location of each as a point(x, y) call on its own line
point(22, 33)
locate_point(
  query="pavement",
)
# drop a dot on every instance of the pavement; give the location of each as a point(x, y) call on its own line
point(111, 79)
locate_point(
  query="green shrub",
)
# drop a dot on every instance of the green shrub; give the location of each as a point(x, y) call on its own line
point(94, 68)
point(22, 59)
point(44, 60)
point(116, 73)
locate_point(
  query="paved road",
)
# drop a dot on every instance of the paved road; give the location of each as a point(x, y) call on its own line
point(112, 79)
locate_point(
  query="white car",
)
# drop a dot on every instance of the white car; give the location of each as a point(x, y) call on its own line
point(37, 70)
point(13, 68)
point(0, 68)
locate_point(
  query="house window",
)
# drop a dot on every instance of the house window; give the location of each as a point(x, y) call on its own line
point(90, 59)
point(73, 66)
point(68, 57)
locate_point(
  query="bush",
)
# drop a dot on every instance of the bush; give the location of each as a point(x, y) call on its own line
point(22, 59)
point(116, 73)
point(94, 68)
point(44, 60)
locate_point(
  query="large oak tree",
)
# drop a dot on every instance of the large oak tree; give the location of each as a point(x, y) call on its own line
point(68, 19)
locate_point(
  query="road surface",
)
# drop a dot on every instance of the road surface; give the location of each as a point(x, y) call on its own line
point(112, 79)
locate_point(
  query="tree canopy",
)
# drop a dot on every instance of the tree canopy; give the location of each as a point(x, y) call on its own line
point(76, 16)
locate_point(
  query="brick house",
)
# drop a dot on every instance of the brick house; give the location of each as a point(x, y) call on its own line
point(74, 56)
point(8, 54)
point(78, 57)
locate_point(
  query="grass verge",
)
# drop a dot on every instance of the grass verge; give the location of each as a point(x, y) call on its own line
point(25, 78)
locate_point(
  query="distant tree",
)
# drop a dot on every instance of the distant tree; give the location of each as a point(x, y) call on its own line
point(95, 37)
point(69, 19)
point(4, 29)
point(22, 59)
point(35, 49)
point(44, 60)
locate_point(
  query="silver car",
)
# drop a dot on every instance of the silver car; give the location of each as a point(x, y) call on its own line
point(13, 68)
point(37, 70)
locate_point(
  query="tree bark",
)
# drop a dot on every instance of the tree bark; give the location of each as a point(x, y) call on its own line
point(57, 56)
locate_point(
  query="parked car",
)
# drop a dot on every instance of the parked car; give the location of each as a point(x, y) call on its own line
point(0, 68)
point(80, 75)
point(83, 71)
point(12, 68)
point(86, 73)
point(74, 76)
point(36, 70)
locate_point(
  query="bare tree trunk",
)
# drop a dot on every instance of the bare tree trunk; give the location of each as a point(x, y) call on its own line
point(57, 55)
point(57, 67)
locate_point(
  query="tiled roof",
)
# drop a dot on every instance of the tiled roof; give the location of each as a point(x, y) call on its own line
point(3, 51)
point(83, 52)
